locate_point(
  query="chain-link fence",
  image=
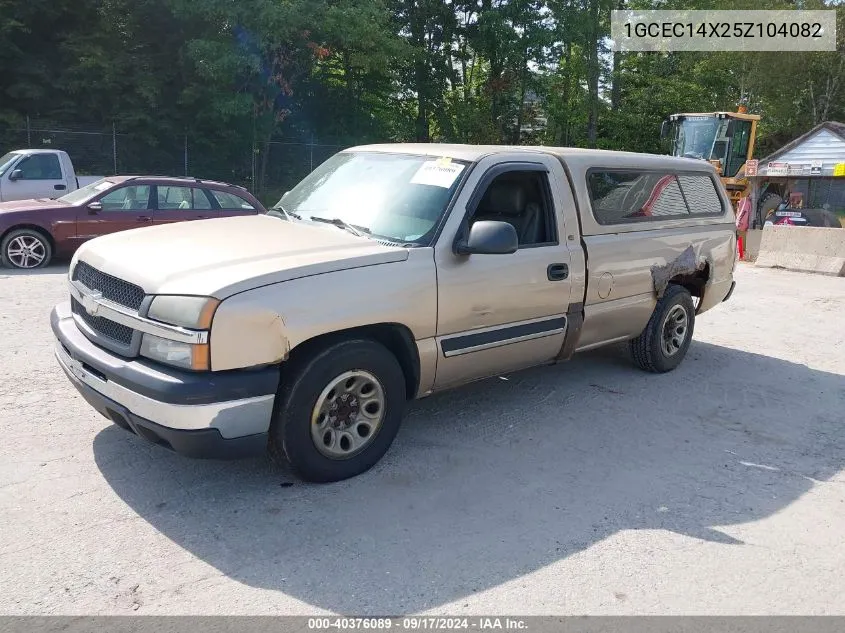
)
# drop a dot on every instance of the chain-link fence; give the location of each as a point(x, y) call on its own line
point(266, 169)
point(93, 151)
point(286, 163)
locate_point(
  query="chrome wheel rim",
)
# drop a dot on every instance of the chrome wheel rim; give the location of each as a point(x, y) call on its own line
point(26, 251)
point(348, 414)
point(675, 330)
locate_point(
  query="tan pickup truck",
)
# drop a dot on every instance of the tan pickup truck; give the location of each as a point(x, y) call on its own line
point(389, 273)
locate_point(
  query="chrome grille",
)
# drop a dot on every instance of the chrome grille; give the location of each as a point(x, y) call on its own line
point(112, 288)
point(104, 327)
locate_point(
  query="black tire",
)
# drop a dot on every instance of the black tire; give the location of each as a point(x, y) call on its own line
point(768, 202)
point(12, 261)
point(647, 349)
point(303, 383)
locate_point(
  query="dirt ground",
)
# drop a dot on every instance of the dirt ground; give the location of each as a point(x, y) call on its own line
point(585, 488)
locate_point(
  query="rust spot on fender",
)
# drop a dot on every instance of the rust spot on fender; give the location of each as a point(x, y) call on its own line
point(684, 264)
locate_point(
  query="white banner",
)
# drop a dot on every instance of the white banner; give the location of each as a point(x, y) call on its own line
point(695, 30)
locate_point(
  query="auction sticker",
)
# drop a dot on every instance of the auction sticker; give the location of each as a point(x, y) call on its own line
point(438, 173)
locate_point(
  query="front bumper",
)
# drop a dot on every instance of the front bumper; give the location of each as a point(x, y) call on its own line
point(209, 414)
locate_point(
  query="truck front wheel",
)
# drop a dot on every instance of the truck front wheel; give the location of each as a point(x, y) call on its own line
point(338, 410)
point(665, 340)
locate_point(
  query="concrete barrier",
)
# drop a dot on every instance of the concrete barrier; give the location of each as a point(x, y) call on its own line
point(752, 239)
point(803, 249)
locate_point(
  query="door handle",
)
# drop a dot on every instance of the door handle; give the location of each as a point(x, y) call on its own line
point(144, 218)
point(59, 187)
point(557, 272)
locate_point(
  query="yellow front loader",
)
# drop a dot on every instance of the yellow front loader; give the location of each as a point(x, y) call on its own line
point(725, 139)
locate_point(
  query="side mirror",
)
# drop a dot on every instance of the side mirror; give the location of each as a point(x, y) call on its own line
point(664, 129)
point(16, 174)
point(487, 237)
point(94, 207)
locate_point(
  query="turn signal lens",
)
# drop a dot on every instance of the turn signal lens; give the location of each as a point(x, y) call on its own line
point(175, 353)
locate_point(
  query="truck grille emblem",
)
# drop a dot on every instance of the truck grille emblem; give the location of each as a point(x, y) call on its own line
point(91, 302)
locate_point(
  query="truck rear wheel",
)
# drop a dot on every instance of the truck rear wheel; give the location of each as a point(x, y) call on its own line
point(25, 249)
point(664, 342)
point(338, 410)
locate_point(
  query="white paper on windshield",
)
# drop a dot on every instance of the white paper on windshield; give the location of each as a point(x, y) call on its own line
point(437, 173)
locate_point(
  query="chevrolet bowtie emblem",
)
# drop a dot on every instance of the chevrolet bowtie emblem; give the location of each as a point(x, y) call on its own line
point(91, 303)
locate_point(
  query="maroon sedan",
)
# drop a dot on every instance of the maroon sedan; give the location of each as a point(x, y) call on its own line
point(32, 232)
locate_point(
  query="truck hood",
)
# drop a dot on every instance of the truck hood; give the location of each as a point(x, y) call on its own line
point(224, 256)
point(30, 205)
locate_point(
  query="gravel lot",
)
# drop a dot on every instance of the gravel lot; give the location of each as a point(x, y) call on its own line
point(589, 487)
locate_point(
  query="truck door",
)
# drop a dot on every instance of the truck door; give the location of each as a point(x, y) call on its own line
point(499, 313)
point(34, 176)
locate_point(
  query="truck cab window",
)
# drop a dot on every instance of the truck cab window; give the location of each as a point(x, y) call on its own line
point(40, 167)
point(521, 199)
point(636, 196)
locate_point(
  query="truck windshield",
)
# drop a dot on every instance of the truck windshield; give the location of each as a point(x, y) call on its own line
point(6, 160)
point(84, 194)
point(694, 137)
point(398, 197)
point(708, 138)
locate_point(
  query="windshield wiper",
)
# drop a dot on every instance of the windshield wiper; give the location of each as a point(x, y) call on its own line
point(394, 242)
point(288, 214)
point(360, 231)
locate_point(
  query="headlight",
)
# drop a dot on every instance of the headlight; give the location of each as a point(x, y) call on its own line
point(175, 353)
point(190, 312)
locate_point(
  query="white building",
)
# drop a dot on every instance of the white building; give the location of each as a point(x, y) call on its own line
point(812, 165)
